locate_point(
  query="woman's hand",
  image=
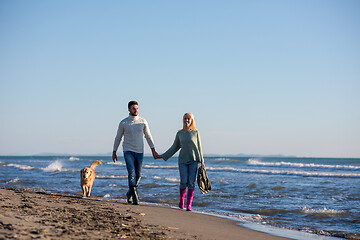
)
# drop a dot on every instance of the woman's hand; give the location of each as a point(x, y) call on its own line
point(203, 164)
point(114, 157)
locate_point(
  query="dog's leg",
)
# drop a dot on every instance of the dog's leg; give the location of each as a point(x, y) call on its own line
point(89, 190)
point(83, 188)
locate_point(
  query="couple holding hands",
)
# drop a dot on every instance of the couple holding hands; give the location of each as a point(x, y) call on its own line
point(134, 128)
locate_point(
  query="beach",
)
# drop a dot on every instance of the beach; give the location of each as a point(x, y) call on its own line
point(289, 197)
point(31, 214)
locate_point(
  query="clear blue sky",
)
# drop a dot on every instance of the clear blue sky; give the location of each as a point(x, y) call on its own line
point(261, 77)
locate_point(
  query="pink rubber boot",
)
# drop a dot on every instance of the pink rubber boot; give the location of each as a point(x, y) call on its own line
point(182, 198)
point(190, 196)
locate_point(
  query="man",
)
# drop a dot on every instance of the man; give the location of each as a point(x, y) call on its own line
point(133, 128)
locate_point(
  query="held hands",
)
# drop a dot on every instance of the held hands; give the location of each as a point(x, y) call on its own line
point(155, 154)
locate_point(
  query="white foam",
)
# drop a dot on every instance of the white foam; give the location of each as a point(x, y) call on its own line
point(13, 180)
point(107, 196)
point(221, 159)
point(111, 177)
point(172, 180)
point(286, 172)
point(257, 162)
point(168, 179)
point(23, 167)
point(54, 167)
point(160, 167)
point(74, 159)
point(117, 163)
point(324, 211)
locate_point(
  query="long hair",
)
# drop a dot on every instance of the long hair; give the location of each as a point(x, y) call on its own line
point(192, 125)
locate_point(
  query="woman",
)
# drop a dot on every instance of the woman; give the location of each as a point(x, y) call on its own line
point(188, 139)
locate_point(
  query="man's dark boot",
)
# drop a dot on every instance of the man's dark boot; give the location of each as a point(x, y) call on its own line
point(135, 197)
point(129, 197)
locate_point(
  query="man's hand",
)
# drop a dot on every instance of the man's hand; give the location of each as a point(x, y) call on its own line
point(114, 157)
point(155, 154)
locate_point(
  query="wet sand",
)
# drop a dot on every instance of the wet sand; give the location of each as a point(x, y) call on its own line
point(28, 214)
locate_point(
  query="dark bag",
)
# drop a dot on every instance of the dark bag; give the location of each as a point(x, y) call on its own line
point(203, 181)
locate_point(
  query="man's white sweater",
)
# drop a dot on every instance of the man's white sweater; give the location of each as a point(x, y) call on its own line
point(133, 128)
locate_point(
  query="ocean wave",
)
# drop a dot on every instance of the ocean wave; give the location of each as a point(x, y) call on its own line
point(116, 163)
point(23, 167)
point(286, 172)
point(160, 167)
point(74, 159)
point(223, 159)
point(173, 180)
point(111, 177)
point(168, 179)
point(305, 210)
point(324, 211)
point(257, 162)
point(219, 159)
point(13, 180)
point(54, 167)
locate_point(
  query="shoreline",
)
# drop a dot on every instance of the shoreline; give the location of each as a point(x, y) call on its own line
point(28, 214)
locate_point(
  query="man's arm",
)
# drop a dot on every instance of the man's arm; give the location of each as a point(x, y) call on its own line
point(117, 141)
point(150, 141)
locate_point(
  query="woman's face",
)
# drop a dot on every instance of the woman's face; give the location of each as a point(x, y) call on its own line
point(187, 120)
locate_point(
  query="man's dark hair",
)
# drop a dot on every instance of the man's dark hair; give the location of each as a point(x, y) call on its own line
point(132, 103)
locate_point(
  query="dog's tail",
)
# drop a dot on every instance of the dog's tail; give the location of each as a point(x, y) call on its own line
point(94, 164)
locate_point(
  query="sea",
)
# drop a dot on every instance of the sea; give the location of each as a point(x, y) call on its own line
point(299, 198)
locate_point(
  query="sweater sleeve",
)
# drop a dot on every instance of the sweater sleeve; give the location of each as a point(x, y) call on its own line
point(173, 149)
point(148, 135)
point(199, 147)
point(119, 135)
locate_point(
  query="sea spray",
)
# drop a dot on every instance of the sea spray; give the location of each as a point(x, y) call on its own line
point(54, 167)
point(13, 180)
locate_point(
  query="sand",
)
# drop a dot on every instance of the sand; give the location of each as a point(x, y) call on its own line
point(28, 214)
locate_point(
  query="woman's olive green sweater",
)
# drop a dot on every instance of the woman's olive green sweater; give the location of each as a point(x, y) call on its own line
point(190, 144)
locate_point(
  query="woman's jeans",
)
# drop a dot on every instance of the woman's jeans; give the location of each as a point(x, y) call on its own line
point(133, 164)
point(188, 174)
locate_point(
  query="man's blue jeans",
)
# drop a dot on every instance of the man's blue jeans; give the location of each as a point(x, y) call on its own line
point(133, 162)
point(188, 174)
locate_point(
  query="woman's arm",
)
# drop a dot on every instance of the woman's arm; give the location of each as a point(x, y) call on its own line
point(200, 150)
point(173, 149)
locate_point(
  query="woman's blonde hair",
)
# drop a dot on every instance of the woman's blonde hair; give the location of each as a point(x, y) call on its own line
point(192, 124)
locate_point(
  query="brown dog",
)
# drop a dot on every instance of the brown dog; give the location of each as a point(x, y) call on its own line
point(87, 177)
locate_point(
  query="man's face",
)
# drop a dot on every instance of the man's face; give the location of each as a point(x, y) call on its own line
point(134, 110)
